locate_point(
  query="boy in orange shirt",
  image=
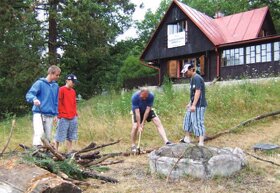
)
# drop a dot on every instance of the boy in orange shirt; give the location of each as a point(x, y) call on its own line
point(67, 127)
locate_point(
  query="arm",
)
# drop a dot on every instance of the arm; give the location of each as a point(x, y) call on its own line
point(195, 100)
point(146, 114)
point(31, 95)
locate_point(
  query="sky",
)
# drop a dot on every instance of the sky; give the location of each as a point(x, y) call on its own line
point(139, 15)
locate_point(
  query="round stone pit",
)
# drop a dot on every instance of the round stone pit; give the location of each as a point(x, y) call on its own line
point(178, 160)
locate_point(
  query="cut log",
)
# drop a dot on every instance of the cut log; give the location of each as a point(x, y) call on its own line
point(18, 178)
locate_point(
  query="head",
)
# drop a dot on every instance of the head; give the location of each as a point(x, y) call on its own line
point(71, 80)
point(189, 70)
point(144, 93)
point(53, 73)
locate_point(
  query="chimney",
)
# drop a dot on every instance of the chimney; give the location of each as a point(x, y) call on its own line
point(219, 14)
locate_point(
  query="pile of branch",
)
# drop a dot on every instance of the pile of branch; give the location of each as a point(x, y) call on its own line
point(82, 163)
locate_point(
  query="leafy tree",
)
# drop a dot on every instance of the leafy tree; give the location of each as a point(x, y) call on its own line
point(87, 30)
point(132, 68)
point(20, 50)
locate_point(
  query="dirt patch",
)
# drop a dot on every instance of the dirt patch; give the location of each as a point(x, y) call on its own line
point(134, 174)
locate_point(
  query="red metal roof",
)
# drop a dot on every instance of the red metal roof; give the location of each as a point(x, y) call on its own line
point(233, 28)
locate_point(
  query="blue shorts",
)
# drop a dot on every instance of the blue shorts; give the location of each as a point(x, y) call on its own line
point(67, 129)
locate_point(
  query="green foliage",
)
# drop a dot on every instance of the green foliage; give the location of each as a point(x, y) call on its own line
point(132, 68)
point(71, 169)
point(20, 49)
point(88, 29)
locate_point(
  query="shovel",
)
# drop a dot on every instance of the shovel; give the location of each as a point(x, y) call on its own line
point(138, 151)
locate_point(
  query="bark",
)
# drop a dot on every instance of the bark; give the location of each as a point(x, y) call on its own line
point(19, 178)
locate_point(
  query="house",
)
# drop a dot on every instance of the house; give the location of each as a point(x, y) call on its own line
point(241, 45)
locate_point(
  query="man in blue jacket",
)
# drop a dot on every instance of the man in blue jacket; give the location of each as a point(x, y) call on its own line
point(44, 96)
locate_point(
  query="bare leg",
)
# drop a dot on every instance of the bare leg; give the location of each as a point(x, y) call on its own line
point(160, 129)
point(187, 138)
point(69, 146)
point(201, 141)
point(133, 134)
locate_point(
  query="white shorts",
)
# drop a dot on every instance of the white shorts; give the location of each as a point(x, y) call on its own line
point(39, 130)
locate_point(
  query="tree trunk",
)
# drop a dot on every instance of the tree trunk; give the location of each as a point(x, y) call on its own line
point(18, 178)
point(52, 45)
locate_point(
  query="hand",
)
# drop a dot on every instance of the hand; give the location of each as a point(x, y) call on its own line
point(192, 108)
point(36, 102)
point(55, 119)
point(140, 129)
point(188, 106)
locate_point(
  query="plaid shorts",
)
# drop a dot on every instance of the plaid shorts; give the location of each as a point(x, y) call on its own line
point(67, 129)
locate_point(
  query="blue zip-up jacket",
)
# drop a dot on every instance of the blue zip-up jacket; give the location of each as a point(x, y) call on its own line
point(47, 93)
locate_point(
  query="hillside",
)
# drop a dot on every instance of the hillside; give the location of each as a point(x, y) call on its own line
point(107, 117)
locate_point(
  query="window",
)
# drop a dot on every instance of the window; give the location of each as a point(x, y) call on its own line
point(276, 51)
point(176, 27)
point(258, 53)
point(177, 34)
point(233, 57)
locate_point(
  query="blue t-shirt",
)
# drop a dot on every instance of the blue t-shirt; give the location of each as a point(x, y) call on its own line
point(197, 83)
point(137, 102)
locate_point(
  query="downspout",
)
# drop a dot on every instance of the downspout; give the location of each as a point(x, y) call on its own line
point(218, 62)
point(156, 68)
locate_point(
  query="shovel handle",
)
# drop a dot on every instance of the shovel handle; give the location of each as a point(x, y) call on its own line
point(139, 140)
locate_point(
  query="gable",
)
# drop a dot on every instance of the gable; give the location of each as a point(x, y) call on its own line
point(196, 41)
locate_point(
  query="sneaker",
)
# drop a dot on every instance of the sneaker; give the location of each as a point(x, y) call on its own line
point(182, 140)
point(134, 149)
point(168, 143)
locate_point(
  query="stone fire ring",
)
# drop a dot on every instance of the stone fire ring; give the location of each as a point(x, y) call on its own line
point(196, 161)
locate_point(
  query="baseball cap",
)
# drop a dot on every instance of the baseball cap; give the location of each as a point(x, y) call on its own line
point(187, 67)
point(72, 77)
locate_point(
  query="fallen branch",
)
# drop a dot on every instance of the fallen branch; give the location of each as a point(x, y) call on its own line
point(244, 123)
point(9, 139)
point(94, 155)
point(183, 154)
point(103, 158)
point(97, 147)
point(111, 163)
point(99, 177)
point(261, 159)
point(52, 150)
point(25, 147)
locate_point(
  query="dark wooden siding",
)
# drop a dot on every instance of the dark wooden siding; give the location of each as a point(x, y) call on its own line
point(197, 41)
point(142, 81)
point(251, 70)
